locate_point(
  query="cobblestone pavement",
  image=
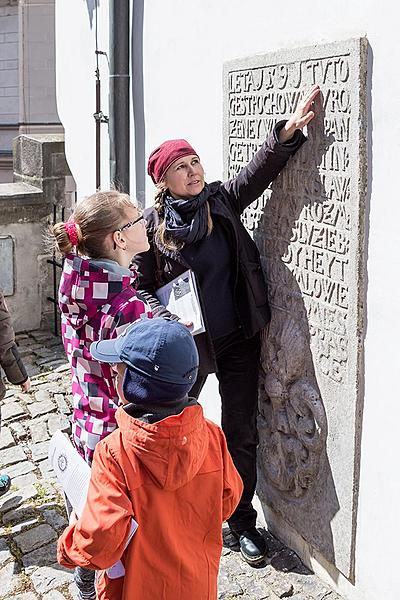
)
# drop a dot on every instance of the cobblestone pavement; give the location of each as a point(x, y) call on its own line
point(32, 512)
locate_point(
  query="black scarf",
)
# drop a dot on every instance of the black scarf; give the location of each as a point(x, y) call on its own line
point(187, 220)
point(152, 413)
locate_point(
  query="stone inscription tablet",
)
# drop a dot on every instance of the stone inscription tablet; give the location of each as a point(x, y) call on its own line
point(309, 227)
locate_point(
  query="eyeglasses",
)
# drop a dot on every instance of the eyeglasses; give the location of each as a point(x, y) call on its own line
point(128, 225)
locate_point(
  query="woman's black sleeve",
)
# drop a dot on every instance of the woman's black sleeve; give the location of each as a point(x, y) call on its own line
point(264, 167)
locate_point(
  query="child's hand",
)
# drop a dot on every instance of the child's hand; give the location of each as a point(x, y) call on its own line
point(26, 386)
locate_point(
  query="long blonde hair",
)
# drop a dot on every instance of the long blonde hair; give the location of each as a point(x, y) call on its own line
point(164, 238)
point(95, 218)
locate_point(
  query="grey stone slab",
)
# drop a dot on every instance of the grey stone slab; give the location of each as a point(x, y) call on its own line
point(55, 422)
point(46, 469)
point(13, 500)
point(12, 411)
point(309, 227)
point(24, 397)
point(46, 579)
point(6, 438)
point(62, 405)
point(39, 450)
point(10, 456)
point(42, 394)
point(34, 538)
point(38, 431)
point(227, 586)
point(24, 480)
point(22, 513)
point(254, 588)
point(18, 430)
point(21, 468)
point(41, 557)
point(41, 408)
point(54, 519)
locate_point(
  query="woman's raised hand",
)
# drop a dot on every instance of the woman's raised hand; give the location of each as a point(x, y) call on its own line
point(301, 116)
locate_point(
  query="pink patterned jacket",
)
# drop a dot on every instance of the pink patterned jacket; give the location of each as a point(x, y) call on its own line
point(97, 301)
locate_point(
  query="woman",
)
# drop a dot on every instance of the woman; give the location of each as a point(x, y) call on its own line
point(190, 226)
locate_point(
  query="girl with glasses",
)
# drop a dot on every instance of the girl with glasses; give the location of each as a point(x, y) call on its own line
point(98, 300)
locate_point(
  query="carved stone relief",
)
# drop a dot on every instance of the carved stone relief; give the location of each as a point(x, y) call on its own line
point(309, 227)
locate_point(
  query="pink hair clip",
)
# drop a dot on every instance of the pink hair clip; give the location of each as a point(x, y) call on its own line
point(72, 233)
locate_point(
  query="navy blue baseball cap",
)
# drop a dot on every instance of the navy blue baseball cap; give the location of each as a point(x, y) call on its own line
point(155, 350)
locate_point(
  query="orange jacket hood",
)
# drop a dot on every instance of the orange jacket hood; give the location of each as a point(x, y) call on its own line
point(172, 450)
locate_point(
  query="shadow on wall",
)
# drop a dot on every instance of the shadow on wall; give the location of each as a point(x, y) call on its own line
point(295, 477)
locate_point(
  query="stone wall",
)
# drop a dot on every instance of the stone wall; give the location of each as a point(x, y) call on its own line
point(309, 227)
point(37, 197)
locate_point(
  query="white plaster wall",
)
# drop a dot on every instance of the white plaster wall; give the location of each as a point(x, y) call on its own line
point(186, 43)
point(76, 92)
point(183, 98)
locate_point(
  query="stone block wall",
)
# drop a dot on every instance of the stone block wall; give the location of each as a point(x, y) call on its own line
point(41, 190)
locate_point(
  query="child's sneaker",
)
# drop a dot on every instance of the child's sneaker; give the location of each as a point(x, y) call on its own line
point(5, 484)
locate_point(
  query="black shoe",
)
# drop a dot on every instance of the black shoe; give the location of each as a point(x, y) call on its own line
point(253, 546)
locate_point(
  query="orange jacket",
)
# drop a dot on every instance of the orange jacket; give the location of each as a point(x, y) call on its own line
point(177, 480)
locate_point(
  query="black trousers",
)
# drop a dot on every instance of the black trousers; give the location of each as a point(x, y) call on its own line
point(238, 366)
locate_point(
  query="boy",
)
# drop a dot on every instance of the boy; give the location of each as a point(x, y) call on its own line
point(166, 466)
point(12, 366)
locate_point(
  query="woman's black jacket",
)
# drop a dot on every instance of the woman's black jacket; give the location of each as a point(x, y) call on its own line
point(227, 201)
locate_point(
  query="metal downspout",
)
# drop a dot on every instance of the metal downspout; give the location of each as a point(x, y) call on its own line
point(119, 128)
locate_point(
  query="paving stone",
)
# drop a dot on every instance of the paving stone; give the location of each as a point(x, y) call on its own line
point(6, 438)
point(62, 404)
point(54, 519)
point(63, 368)
point(55, 422)
point(41, 408)
point(39, 450)
point(38, 431)
point(42, 394)
point(24, 397)
point(12, 410)
point(18, 430)
point(32, 370)
point(54, 364)
point(22, 513)
point(11, 580)
point(46, 469)
point(255, 588)
point(11, 456)
point(34, 538)
point(41, 557)
point(24, 480)
point(46, 579)
point(5, 552)
point(53, 595)
point(12, 500)
point(227, 587)
point(21, 468)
